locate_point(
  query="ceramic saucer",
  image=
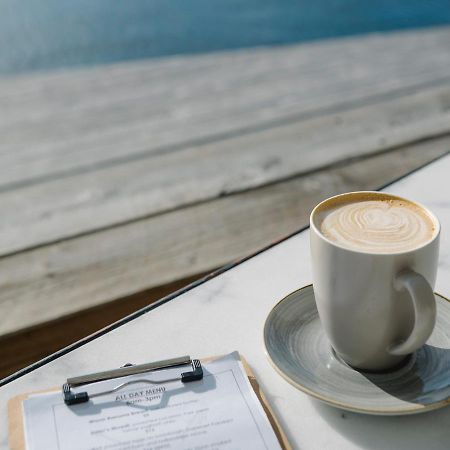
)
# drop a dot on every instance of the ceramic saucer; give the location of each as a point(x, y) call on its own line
point(299, 350)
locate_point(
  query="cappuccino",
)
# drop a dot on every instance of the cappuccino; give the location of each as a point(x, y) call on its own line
point(377, 224)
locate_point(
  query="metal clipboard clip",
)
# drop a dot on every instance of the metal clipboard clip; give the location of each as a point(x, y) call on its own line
point(72, 398)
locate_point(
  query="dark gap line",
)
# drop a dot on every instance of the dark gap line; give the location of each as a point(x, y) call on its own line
point(228, 135)
point(230, 193)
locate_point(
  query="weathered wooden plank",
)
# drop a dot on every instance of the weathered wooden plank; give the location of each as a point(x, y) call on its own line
point(50, 282)
point(65, 207)
point(73, 120)
point(21, 349)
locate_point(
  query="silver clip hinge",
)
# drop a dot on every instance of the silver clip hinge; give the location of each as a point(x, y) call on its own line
point(72, 398)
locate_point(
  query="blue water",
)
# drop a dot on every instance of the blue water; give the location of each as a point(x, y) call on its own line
point(48, 34)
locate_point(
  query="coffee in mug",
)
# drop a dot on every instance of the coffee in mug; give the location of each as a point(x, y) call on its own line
point(376, 224)
point(374, 260)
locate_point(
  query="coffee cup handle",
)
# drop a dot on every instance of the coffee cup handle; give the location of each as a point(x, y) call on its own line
point(424, 304)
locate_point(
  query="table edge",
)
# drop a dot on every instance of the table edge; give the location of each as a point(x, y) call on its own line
point(20, 373)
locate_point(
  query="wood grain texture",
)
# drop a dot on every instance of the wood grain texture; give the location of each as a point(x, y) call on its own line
point(66, 277)
point(52, 125)
point(64, 207)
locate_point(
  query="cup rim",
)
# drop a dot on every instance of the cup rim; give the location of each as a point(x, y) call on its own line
point(376, 193)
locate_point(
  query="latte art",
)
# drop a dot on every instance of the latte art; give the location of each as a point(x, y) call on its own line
point(385, 226)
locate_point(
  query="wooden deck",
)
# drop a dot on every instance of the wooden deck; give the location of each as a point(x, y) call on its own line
point(116, 180)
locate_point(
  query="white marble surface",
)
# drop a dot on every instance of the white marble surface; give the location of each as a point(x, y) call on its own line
point(228, 312)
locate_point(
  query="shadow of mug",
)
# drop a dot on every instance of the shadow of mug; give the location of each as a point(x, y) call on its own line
point(424, 380)
point(428, 372)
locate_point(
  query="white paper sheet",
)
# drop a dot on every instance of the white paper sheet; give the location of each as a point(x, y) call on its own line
point(220, 412)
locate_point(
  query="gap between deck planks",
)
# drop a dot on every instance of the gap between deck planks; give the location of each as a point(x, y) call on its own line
point(65, 207)
point(66, 277)
point(27, 346)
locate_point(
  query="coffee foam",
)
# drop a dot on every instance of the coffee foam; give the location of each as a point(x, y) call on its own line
point(376, 223)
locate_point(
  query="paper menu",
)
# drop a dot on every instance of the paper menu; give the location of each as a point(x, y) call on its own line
point(219, 412)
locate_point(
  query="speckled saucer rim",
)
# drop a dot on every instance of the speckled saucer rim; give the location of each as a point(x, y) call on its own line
point(413, 409)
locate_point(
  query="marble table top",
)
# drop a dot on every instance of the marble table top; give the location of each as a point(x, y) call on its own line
point(228, 312)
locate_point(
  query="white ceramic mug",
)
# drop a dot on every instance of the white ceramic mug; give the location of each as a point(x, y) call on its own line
point(376, 308)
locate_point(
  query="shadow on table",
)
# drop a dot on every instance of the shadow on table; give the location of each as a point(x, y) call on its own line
point(430, 430)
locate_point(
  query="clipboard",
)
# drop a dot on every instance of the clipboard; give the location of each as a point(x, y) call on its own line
point(16, 422)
